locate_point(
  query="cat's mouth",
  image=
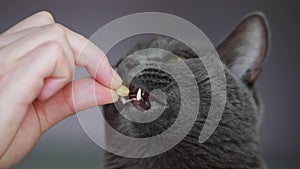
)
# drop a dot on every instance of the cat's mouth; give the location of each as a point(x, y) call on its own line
point(140, 98)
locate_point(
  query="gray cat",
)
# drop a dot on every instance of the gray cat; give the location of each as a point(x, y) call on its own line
point(234, 144)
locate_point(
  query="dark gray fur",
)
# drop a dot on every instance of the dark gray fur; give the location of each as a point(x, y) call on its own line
point(233, 145)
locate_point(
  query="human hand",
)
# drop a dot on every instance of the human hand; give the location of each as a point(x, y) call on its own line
point(37, 61)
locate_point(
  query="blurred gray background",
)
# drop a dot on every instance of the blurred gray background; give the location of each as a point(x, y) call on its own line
point(67, 146)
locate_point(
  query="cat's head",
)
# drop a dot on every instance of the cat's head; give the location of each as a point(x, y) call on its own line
point(242, 54)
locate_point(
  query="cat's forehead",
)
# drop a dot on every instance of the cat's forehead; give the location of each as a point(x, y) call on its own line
point(167, 49)
point(144, 56)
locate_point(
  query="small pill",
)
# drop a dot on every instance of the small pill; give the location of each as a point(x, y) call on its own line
point(122, 91)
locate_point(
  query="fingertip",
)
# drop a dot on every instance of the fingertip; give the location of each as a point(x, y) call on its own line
point(105, 95)
point(115, 97)
point(38, 19)
point(116, 81)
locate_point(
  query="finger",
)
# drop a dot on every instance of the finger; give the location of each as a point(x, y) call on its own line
point(89, 55)
point(59, 71)
point(36, 20)
point(25, 82)
point(51, 33)
point(27, 78)
point(76, 96)
point(10, 38)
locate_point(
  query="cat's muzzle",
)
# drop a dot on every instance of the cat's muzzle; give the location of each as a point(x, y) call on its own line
point(141, 86)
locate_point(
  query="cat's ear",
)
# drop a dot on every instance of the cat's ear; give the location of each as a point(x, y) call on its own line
point(244, 50)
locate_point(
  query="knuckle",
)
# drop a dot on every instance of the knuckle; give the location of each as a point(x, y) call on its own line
point(55, 31)
point(68, 71)
point(45, 17)
point(58, 57)
point(54, 48)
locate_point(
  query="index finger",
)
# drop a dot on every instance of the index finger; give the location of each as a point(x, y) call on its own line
point(38, 19)
point(94, 59)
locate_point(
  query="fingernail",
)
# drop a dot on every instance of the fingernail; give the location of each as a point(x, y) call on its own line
point(117, 81)
point(114, 97)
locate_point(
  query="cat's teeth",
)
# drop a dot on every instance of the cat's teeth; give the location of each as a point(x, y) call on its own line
point(139, 95)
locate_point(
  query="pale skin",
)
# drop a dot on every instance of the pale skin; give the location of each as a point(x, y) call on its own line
point(37, 61)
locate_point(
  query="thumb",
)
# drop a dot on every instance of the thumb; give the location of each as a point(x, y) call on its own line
point(76, 96)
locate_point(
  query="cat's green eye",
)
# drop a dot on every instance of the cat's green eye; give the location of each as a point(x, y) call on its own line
point(176, 58)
